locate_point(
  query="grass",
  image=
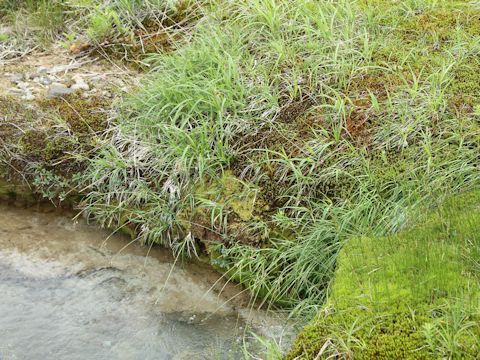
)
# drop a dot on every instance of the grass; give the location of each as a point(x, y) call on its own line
point(42, 19)
point(338, 126)
point(124, 30)
point(409, 296)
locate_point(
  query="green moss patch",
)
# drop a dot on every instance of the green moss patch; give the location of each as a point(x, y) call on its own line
point(465, 87)
point(410, 296)
point(444, 24)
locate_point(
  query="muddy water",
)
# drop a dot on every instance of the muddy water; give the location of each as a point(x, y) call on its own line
point(70, 291)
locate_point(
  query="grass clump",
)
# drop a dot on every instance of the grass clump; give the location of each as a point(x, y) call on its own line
point(43, 20)
point(118, 29)
point(414, 295)
point(333, 126)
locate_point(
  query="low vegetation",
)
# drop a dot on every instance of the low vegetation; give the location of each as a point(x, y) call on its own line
point(414, 295)
point(331, 125)
point(125, 30)
point(273, 135)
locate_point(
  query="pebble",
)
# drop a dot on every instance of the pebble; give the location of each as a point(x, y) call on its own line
point(23, 85)
point(15, 91)
point(80, 86)
point(45, 81)
point(28, 97)
point(31, 84)
point(16, 78)
point(59, 90)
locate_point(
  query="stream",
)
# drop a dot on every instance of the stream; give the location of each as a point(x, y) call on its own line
point(69, 290)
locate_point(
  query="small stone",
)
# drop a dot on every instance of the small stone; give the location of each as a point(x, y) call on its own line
point(59, 90)
point(80, 86)
point(42, 70)
point(15, 91)
point(16, 78)
point(23, 85)
point(77, 78)
point(45, 80)
point(28, 97)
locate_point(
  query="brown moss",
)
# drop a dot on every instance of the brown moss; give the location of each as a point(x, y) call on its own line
point(464, 90)
point(43, 142)
point(440, 25)
point(83, 116)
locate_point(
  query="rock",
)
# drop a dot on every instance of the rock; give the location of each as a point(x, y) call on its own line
point(42, 70)
point(45, 81)
point(16, 78)
point(28, 97)
point(15, 91)
point(80, 86)
point(23, 85)
point(59, 90)
point(63, 68)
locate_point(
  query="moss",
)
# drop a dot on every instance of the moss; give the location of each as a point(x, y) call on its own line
point(83, 116)
point(401, 297)
point(464, 90)
point(442, 24)
point(47, 141)
point(225, 195)
point(15, 192)
point(233, 193)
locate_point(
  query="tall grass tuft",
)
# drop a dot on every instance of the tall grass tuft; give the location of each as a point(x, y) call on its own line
point(315, 108)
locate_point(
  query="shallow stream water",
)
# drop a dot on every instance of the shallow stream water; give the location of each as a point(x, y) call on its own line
point(70, 291)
